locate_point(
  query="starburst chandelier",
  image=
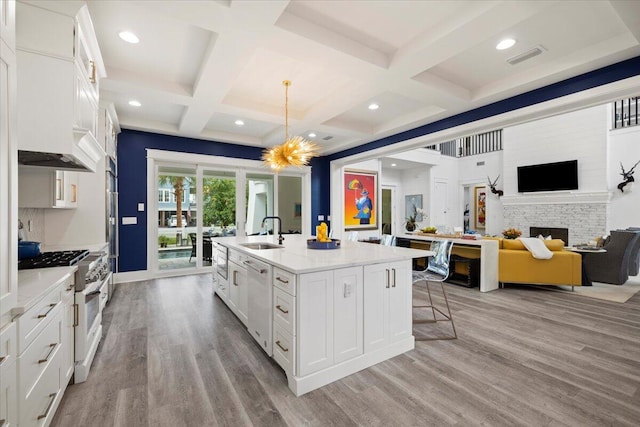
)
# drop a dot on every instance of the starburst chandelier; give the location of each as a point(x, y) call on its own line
point(294, 151)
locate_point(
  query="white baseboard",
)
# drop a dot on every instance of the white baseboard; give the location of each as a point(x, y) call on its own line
point(132, 276)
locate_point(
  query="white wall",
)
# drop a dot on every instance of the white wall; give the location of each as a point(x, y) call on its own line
point(580, 135)
point(624, 146)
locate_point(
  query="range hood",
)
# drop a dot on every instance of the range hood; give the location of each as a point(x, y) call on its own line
point(77, 152)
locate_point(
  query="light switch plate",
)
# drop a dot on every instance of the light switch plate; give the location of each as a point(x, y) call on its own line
point(320, 217)
point(129, 220)
point(140, 207)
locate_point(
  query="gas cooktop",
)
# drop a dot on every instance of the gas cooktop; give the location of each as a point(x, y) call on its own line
point(53, 259)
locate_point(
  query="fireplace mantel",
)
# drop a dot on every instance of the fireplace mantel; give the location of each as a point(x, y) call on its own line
point(557, 197)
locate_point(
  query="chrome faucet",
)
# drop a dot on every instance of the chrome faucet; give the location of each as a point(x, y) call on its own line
point(280, 238)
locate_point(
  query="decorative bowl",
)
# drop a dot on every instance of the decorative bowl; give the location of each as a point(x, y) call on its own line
point(314, 244)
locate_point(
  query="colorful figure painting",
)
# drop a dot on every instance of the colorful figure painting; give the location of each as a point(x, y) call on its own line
point(481, 207)
point(360, 200)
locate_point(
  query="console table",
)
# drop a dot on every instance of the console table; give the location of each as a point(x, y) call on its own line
point(488, 257)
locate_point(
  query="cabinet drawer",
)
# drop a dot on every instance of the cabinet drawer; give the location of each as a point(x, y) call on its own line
point(39, 406)
point(67, 288)
point(8, 345)
point(284, 310)
point(39, 355)
point(34, 320)
point(285, 281)
point(237, 257)
point(283, 348)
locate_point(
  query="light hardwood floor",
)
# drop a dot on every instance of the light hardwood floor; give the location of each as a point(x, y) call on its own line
point(174, 355)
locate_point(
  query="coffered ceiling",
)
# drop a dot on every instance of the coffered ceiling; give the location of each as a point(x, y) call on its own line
point(202, 65)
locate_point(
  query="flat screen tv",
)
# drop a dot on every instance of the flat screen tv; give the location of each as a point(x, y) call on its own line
point(548, 177)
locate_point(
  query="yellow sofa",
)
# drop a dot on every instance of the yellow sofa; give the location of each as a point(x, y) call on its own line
point(517, 265)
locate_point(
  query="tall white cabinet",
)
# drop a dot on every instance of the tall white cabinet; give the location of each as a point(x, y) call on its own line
point(8, 215)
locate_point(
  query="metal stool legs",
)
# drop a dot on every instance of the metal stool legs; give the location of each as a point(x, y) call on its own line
point(447, 316)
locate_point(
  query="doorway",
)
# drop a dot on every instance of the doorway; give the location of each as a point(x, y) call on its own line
point(387, 208)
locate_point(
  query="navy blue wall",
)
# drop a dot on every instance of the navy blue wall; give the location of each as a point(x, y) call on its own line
point(132, 183)
point(133, 165)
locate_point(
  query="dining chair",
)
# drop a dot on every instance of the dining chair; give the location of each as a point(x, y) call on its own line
point(437, 271)
point(388, 240)
point(353, 236)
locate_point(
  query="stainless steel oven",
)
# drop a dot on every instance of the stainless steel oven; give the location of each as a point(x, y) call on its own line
point(92, 283)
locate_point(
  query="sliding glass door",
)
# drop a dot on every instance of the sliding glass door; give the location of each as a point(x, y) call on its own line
point(198, 198)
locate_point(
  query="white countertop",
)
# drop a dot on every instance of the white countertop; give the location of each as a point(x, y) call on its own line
point(33, 285)
point(294, 256)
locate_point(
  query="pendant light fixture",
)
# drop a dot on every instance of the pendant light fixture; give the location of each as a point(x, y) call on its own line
point(294, 151)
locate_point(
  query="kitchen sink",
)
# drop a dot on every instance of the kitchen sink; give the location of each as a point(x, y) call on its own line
point(261, 245)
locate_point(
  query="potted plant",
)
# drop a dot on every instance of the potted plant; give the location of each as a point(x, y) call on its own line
point(511, 233)
point(163, 241)
point(410, 225)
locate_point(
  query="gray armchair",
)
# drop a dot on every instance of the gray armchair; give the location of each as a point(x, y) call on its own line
point(634, 261)
point(612, 266)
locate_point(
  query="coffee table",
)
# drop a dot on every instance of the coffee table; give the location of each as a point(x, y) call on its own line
point(583, 250)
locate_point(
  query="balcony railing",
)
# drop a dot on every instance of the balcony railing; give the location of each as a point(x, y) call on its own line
point(625, 113)
point(481, 143)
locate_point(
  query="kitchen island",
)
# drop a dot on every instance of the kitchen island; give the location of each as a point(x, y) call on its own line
point(322, 314)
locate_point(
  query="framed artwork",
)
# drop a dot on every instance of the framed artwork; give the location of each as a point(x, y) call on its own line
point(360, 203)
point(480, 198)
point(412, 202)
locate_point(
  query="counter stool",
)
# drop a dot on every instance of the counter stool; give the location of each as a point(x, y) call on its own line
point(437, 271)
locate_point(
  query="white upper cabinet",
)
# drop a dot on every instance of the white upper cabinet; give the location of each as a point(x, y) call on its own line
point(60, 66)
point(8, 22)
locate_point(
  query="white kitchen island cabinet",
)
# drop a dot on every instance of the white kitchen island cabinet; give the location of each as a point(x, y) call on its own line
point(332, 312)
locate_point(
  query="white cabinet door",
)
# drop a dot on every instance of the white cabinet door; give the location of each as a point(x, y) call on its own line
point(387, 312)
point(8, 395)
point(68, 357)
point(7, 22)
point(238, 296)
point(376, 307)
point(347, 309)
point(45, 188)
point(315, 322)
point(8, 171)
point(260, 295)
point(400, 323)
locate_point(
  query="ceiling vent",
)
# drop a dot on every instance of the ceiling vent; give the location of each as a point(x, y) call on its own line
point(326, 138)
point(526, 55)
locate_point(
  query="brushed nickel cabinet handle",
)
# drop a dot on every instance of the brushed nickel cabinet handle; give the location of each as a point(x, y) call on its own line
point(1, 362)
point(394, 277)
point(46, 359)
point(70, 288)
point(250, 264)
point(92, 76)
point(235, 277)
point(387, 270)
point(51, 307)
point(280, 308)
point(281, 280)
point(281, 347)
point(76, 315)
point(52, 398)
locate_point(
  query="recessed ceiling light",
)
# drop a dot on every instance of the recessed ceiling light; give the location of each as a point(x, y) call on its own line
point(312, 135)
point(373, 106)
point(393, 164)
point(135, 103)
point(239, 122)
point(505, 44)
point(129, 37)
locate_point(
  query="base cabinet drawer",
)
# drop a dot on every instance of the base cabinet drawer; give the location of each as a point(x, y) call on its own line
point(39, 406)
point(283, 348)
point(40, 354)
point(34, 320)
point(284, 310)
point(8, 345)
point(285, 281)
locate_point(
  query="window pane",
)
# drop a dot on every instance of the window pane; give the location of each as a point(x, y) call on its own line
point(259, 194)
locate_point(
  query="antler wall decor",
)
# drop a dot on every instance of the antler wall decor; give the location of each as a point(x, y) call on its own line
point(493, 186)
point(627, 176)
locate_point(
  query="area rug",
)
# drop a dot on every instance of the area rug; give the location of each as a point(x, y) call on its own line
point(608, 292)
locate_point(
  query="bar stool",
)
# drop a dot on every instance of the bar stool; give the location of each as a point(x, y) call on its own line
point(437, 271)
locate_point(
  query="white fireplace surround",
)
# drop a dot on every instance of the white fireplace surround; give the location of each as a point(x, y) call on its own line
point(584, 214)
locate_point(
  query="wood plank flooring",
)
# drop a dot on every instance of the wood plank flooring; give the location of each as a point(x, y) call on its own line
point(174, 355)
